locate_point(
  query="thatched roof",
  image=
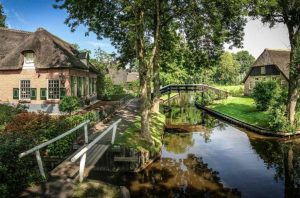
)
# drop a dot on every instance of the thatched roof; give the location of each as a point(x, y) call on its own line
point(132, 76)
point(49, 50)
point(278, 57)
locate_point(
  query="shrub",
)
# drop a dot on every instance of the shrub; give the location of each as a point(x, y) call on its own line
point(7, 112)
point(39, 127)
point(15, 174)
point(110, 90)
point(263, 93)
point(277, 112)
point(206, 98)
point(25, 131)
point(69, 104)
point(133, 87)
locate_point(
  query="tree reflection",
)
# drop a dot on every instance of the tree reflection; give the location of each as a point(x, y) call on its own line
point(178, 143)
point(187, 177)
point(284, 157)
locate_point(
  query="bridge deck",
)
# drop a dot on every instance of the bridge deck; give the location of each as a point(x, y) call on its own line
point(68, 169)
point(190, 87)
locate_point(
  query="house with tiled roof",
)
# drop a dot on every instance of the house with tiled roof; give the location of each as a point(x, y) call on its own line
point(272, 64)
point(38, 69)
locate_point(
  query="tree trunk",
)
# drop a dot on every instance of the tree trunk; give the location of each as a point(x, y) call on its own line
point(143, 73)
point(289, 179)
point(155, 61)
point(293, 95)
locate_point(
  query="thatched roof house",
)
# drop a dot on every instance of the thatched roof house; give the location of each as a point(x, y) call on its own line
point(271, 64)
point(39, 64)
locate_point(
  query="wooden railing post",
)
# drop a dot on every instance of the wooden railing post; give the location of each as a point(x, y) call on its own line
point(86, 135)
point(81, 167)
point(114, 134)
point(40, 163)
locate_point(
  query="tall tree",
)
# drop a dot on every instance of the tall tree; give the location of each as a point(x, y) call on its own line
point(135, 30)
point(2, 16)
point(124, 23)
point(288, 13)
point(245, 60)
point(228, 70)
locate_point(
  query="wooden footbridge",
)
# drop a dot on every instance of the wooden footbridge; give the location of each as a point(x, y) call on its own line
point(202, 88)
point(89, 154)
point(191, 88)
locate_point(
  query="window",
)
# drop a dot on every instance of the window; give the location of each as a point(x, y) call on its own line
point(53, 89)
point(274, 78)
point(263, 70)
point(25, 89)
point(28, 60)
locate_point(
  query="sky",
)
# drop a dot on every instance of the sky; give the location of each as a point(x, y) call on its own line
point(30, 14)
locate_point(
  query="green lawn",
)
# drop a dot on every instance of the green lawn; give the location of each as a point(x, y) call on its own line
point(165, 96)
point(241, 108)
point(133, 138)
point(234, 90)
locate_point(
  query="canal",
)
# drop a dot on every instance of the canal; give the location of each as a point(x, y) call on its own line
point(205, 157)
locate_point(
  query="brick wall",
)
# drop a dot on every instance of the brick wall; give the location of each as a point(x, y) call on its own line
point(38, 79)
point(251, 79)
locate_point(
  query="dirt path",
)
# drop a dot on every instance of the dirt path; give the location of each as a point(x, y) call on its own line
point(127, 113)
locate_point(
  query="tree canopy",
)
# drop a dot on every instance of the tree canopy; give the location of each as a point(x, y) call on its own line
point(2, 16)
point(139, 29)
point(245, 60)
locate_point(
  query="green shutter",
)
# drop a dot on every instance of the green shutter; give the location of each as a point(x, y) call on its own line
point(78, 86)
point(62, 92)
point(16, 93)
point(73, 85)
point(43, 93)
point(33, 93)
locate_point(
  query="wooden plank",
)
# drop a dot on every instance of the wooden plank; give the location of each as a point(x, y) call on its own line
point(71, 169)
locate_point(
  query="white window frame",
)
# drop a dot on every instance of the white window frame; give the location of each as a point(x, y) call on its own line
point(49, 91)
point(28, 62)
point(20, 89)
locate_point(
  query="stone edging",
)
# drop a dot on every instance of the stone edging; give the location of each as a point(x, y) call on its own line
point(242, 124)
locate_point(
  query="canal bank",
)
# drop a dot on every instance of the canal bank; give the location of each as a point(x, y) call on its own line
point(213, 159)
point(245, 125)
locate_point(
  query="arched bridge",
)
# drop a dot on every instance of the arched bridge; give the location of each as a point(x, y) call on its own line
point(193, 88)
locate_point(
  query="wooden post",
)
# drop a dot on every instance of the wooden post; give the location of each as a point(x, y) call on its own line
point(81, 167)
point(114, 134)
point(169, 95)
point(40, 163)
point(86, 136)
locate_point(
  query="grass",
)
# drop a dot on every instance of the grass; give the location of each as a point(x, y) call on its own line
point(91, 188)
point(234, 90)
point(133, 138)
point(241, 108)
point(165, 96)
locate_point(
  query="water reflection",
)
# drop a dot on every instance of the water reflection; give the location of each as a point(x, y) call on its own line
point(205, 157)
point(179, 143)
point(169, 177)
point(284, 157)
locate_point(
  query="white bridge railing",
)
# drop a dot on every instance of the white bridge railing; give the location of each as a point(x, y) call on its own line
point(36, 149)
point(82, 154)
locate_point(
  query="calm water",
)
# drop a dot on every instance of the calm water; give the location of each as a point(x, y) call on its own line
point(204, 157)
